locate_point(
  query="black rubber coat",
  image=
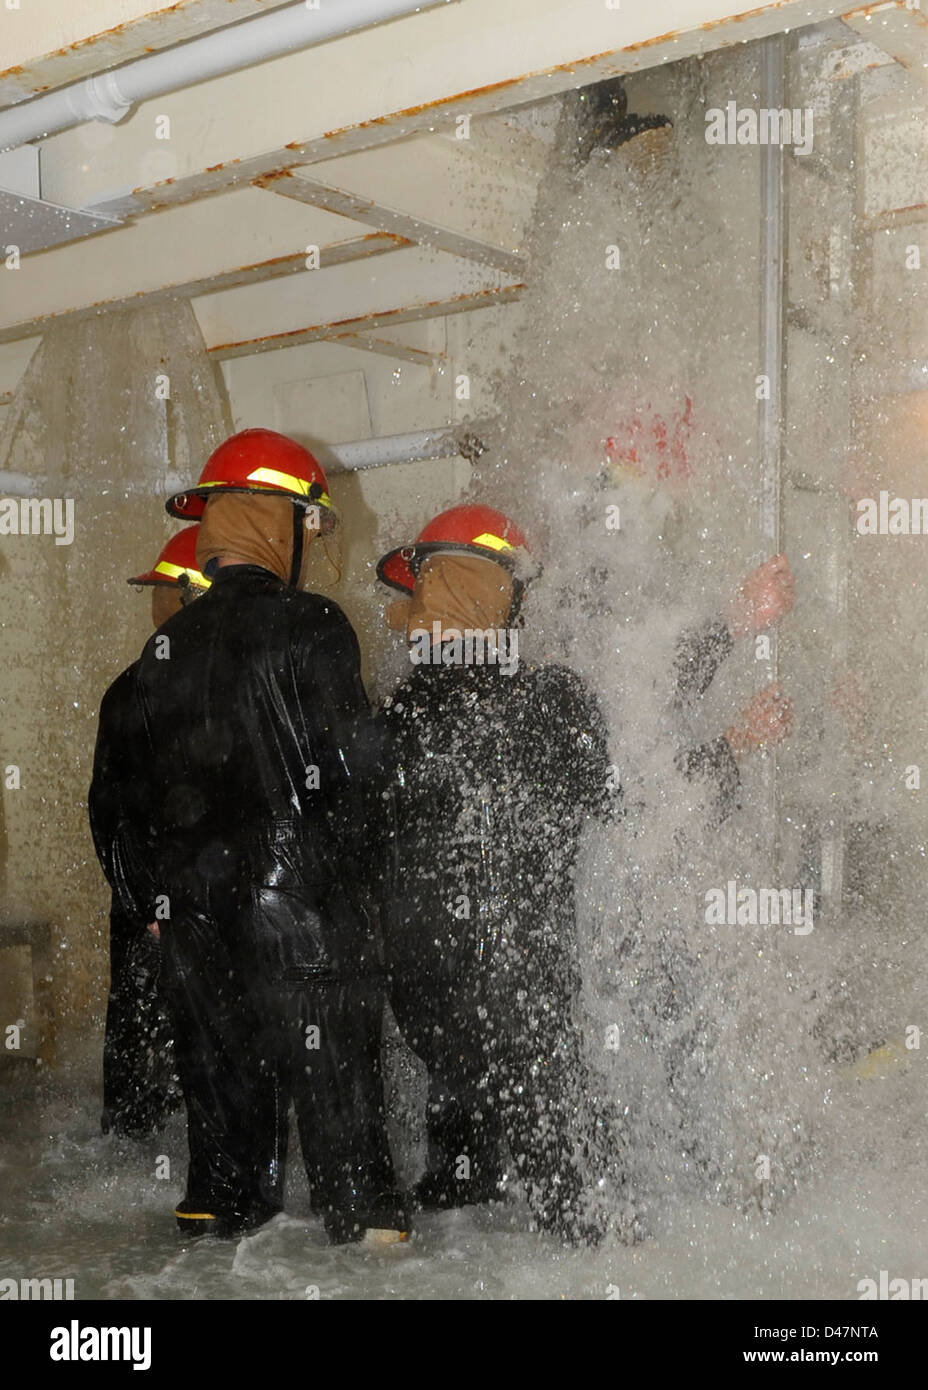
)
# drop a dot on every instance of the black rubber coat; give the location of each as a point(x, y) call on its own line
point(493, 777)
point(139, 1085)
point(245, 807)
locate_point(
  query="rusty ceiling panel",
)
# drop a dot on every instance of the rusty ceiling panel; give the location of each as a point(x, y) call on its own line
point(522, 88)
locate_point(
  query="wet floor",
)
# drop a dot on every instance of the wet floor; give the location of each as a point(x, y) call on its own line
point(78, 1205)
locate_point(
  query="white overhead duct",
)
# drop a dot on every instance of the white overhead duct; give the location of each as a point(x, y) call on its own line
point(109, 96)
point(445, 442)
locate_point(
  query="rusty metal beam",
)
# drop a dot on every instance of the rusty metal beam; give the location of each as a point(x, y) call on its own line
point(891, 218)
point(341, 253)
point(361, 209)
point(901, 30)
point(333, 332)
point(387, 347)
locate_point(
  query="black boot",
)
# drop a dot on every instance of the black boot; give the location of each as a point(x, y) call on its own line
point(382, 1221)
point(438, 1190)
point(197, 1219)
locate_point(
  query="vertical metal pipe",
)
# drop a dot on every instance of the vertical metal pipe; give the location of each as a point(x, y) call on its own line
point(772, 406)
point(773, 276)
point(843, 256)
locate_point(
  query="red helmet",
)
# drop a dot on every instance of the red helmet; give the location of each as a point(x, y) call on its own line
point(257, 461)
point(176, 566)
point(479, 530)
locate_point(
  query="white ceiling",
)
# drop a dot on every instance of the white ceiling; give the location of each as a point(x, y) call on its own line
point(353, 147)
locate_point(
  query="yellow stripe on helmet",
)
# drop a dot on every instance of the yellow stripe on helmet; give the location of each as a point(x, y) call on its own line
point(287, 480)
point(276, 479)
point(493, 542)
point(175, 572)
point(270, 477)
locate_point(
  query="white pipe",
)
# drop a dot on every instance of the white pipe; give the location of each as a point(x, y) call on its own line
point(110, 95)
point(394, 448)
point(444, 442)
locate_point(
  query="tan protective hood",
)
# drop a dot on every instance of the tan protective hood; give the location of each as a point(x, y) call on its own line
point(165, 602)
point(459, 592)
point(253, 527)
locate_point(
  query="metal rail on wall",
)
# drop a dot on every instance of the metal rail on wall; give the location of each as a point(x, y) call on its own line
point(772, 404)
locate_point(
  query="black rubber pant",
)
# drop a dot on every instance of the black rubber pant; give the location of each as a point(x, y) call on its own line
point(247, 1044)
point(505, 1064)
point(138, 1055)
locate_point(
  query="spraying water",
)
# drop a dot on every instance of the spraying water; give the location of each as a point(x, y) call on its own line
point(629, 448)
point(764, 1105)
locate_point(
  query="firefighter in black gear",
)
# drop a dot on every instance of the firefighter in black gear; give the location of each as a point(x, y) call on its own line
point(495, 767)
point(254, 756)
point(140, 1088)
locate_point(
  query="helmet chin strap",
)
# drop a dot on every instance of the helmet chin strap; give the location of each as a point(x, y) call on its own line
point(515, 612)
point(296, 563)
